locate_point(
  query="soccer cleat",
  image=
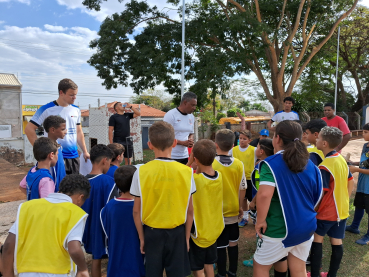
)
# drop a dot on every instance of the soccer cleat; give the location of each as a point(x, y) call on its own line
point(248, 263)
point(352, 230)
point(242, 223)
point(364, 240)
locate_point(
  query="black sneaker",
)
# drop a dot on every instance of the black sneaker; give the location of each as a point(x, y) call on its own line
point(230, 274)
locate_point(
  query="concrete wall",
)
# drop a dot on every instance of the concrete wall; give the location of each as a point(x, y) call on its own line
point(10, 109)
point(11, 150)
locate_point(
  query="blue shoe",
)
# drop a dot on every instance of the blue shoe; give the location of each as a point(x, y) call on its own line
point(352, 230)
point(364, 240)
point(248, 263)
point(242, 223)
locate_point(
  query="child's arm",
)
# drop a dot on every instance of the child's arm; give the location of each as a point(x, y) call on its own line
point(190, 160)
point(354, 169)
point(264, 197)
point(45, 187)
point(350, 186)
point(252, 204)
point(242, 194)
point(8, 256)
point(243, 122)
point(189, 223)
point(76, 253)
point(23, 185)
point(138, 223)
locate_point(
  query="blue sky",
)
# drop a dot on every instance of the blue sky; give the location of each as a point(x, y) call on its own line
point(44, 41)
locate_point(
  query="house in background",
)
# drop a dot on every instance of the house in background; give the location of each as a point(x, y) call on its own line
point(11, 141)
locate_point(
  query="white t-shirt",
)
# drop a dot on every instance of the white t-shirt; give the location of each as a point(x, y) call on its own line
point(135, 186)
point(282, 115)
point(72, 116)
point(183, 125)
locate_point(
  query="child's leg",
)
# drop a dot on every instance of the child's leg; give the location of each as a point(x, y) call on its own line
point(232, 258)
point(336, 256)
point(200, 273)
point(96, 268)
point(315, 256)
point(222, 244)
point(280, 268)
point(209, 270)
point(358, 216)
point(262, 270)
point(297, 267)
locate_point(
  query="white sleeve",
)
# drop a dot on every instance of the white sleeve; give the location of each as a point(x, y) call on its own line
point(193, 185)
point(193, 125)
point(230, 153)
point(255, 158)
point(135, 186)
point(79, 117)
point(77, 232)
point(13, 229)
point(274, 118)
point(297, 116)
point(243, 184)
point(168, 117)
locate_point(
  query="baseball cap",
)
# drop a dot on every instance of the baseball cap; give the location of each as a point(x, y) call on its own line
point(264, 132)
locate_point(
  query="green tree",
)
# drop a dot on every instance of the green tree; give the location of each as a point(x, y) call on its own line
point(223, 39)
point(157, 99)
point(233, 112)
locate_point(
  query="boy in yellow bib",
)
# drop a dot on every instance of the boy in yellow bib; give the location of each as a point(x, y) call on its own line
point(246, 154)
point(162, 210)
point(208, 210)
point(234, 188)
point(312, 129)
point(333, 209)
point(46, 237)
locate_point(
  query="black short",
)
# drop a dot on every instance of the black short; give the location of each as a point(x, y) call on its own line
point(166, 249)
point(201, 256)
point(71, 166)
point(182, 161)
point(362, 201)
point(231, 233)
point(128, 151)
point(248, 194)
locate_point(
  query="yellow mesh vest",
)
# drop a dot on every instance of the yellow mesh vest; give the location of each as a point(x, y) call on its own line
point(313, 149)
point(165, 193)
point(232, 177)
point(208, 210)
point(247, 157)
point(42, 230)
point(337, 166)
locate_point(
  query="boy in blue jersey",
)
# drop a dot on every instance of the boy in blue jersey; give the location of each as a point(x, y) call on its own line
point(39, 183)
point(361, 201)
point(312, 129)
point(55, 128)
point(118, 156)
point(122, 243)
point(102, 190)
point(333, 209)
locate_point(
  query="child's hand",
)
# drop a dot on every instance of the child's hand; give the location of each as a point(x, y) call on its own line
point(188, 245)
point(260, 228)
point(353, 168)
point(252, 205)
point(142, 246)
point(83, 273)
point(240, 213)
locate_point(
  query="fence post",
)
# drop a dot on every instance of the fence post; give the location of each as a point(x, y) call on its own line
point(358, 121)
point(345, 116)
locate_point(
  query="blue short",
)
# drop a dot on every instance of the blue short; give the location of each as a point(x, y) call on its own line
point(333, 229)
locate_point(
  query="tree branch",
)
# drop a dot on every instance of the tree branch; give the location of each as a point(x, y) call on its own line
point(224, 7)
point(149, 18)
point(238, 6)
point(283, 9)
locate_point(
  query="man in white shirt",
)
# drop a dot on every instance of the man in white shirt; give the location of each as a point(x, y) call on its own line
point(183, 122)
point(286, 114)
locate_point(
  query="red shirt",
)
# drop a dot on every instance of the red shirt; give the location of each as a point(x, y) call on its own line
point(339, 123)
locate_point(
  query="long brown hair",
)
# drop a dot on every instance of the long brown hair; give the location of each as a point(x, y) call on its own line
point(295, 153)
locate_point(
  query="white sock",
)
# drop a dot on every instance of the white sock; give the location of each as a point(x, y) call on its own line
point(246, 215)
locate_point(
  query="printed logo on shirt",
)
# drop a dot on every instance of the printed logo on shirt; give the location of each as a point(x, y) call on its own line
point(190, 121)
point(178, 120)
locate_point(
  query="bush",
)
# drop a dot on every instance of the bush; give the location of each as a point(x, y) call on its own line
point(220, 115)
point(232, 112)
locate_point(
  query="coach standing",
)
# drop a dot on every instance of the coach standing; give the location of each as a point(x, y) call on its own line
point(63, 107)
point(183, 122)
point(120, 128)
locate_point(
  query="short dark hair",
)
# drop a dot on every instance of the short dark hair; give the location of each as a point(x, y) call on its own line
point(117, 148)
point(100, 151)
point(75, 183)
point(53, 121)
point(115, 105)
point(315, 125)
point(42, 147)
point(225, 139)
point(329, 105)
point(123, 177)
point(246, 133)
point(188, 96)
point(161, 135)
point(267, 145)
point(66, 84)
point(366, 127)
point(289, 98)
point(332, 135)
point(205, 151)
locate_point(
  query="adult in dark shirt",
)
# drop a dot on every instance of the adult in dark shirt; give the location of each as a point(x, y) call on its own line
point(120, 128)
point(263, 134)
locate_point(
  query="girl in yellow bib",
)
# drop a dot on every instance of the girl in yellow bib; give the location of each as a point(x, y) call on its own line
point(45, 240)
point(246, 154)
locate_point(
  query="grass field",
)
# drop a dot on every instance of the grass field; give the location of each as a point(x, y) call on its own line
point(355, 262)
